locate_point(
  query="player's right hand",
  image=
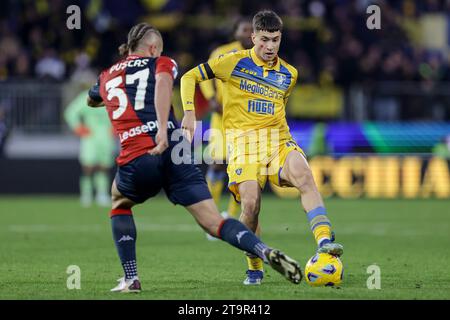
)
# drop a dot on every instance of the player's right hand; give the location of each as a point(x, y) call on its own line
point(188, 125)
point(82, 131)
point(162, 143)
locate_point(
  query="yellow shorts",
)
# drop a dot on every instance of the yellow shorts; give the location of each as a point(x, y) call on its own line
point(242, 167)
point(217, 149)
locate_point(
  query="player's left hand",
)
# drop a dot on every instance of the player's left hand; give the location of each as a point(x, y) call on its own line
point(188, 125)
point(162, 143)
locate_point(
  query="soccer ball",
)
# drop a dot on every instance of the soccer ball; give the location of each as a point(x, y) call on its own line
point(324, 269)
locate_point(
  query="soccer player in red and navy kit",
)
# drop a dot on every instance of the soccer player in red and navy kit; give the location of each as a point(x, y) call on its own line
point(137, 94)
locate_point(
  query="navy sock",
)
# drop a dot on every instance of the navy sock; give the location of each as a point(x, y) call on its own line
point(239, 236)
point(124, 234)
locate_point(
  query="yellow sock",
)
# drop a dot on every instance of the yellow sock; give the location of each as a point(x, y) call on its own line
point(321, 232)
point(233, 207)
point(320, 224)
point(254, 263)
point(215, 188)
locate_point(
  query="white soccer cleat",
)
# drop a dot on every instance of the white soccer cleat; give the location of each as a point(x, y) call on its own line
point(128, 286)
point(254, 277)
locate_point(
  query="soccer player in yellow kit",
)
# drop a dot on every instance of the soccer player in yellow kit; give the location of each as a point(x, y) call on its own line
point(212, 91)
point(256, 86)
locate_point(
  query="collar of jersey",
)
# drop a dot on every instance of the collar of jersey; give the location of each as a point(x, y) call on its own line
point(261, 63)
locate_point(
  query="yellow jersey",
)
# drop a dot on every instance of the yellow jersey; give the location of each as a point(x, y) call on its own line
point(254, 93)
point(211, 88)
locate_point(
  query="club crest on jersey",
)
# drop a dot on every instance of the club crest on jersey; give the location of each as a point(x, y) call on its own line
point(280, 78)
point(239, 171)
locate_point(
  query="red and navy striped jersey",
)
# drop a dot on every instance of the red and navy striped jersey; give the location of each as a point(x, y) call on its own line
point(127, 89)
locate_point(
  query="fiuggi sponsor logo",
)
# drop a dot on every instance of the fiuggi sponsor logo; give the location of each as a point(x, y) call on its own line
point(150, 126)
point(261, 106)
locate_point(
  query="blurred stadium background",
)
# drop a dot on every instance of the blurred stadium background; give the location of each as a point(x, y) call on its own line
point(371, 107)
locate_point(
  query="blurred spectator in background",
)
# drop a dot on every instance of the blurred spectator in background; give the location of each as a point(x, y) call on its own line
point(50, 66)
point(318, 146)
point(442, 149)
point(97, 146)
point(3, 131)
point(326, 38)
point(83, 72)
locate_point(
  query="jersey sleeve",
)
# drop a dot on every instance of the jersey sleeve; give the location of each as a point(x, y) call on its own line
point(94, 92)
point(207, 87)
point(220, 68)
point(166, 64)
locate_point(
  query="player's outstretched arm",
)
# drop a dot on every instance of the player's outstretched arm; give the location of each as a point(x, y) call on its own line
point(208, 87)
point(220, 68)
point(163, 96)
point(188, 83)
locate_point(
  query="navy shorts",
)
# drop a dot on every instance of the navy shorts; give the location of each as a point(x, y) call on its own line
point(145, 176)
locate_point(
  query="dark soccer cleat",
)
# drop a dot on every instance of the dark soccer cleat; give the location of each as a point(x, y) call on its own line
point(128, 286)
point(333, 248)
point(281, 263)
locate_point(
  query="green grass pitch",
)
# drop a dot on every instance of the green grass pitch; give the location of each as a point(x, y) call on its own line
point(41, 236)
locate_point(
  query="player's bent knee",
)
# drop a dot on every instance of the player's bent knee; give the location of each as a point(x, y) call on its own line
point(121, 202)
point(115, 198)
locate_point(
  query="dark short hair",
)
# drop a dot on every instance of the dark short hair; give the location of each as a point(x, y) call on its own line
point(267, 20)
